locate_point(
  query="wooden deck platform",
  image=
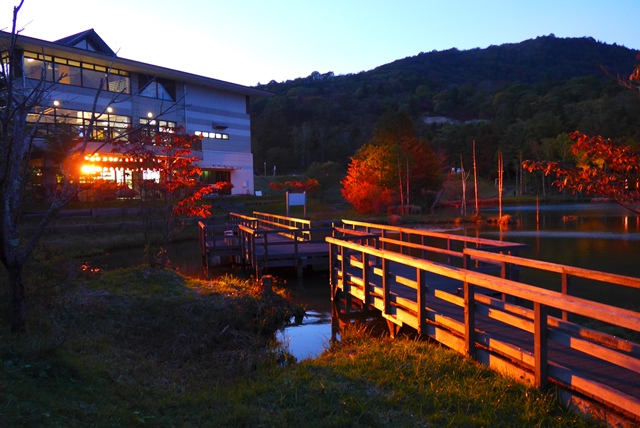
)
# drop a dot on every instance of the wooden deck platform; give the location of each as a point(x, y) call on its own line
point(264, 242)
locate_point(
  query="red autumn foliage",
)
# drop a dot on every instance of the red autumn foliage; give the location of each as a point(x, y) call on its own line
point(604, 168)
point(311, 186)
point(175, 195)
point(369, 185)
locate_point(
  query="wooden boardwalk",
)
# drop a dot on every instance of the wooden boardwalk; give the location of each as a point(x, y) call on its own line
point(466, 293)
point(530, 333)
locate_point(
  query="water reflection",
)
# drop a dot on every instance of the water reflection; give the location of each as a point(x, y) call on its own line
point(604, 237)
point(309, 339)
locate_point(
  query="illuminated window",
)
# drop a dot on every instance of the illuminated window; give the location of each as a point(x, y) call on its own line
point(107, 126)
point(76, 73)
point(214, 135)
point(154, 126)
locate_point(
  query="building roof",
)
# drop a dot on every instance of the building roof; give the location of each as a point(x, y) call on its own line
point(89, 47)
point(88, 40)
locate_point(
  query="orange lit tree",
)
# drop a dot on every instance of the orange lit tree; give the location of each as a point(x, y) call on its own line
point(175, 195)
point(370, 184)
point(395, 167)
point(602, 167)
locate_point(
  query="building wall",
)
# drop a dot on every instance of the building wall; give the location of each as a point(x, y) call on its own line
point(198, 108)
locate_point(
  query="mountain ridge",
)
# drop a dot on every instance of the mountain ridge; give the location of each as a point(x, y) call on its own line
point(544, 86)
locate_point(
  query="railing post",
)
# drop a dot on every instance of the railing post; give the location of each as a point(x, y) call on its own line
point(333, 283)
point(566, 282)
point(504, 274)
point(365, 278)
point(298, 262)
point(254, 256)
point(469, 319)
point(540, 348)
point(346, 287)
point(420, 299)
point(386, 286)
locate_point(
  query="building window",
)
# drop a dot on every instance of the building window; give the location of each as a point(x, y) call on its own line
point(215, 176)
point(76, 73)
point(107, 126)
point(151, 127)
point(214, 135)
point(155, 87)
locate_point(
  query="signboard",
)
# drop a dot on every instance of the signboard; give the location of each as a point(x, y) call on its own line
point(297, 199)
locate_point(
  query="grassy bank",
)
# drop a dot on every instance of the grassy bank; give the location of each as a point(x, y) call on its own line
point(140, 347)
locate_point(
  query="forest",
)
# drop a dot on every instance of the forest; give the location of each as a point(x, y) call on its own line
point(520, 99)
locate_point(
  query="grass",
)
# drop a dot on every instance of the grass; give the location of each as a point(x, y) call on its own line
point(184, 353)
point(134, 347)
point(365, 381)
point(122, 347)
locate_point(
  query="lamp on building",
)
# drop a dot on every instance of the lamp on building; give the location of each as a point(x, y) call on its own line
point(149, 115)
point(56, 104)
point(109, 111)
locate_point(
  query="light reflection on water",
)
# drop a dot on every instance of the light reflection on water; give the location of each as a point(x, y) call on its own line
point(309, 339)
point(509, 235)
point(603, 237)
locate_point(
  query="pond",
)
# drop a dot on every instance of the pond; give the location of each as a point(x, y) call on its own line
point(598, 236)
point(603, 237)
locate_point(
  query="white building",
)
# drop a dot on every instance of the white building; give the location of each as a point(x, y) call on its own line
point(145, 95)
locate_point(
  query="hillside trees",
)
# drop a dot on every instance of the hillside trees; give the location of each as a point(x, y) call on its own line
point(506, 97)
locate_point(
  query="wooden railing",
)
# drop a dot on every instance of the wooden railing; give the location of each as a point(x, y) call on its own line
point(425, 243)
point(566, 273)
point(267, 248)
point(456, 306)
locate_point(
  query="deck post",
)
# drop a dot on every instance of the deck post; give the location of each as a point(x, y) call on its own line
point(346, 288)
point(540, 348)
point(298, 261)
point(365, 280)
point(566, 282)
point(394, 328)
point(421, 297)
point(469, 320)
point(386, 285)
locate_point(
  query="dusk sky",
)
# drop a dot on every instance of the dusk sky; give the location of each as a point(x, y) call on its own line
point(256, 41)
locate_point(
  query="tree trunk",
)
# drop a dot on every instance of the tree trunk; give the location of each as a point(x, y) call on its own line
point(16, 298)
